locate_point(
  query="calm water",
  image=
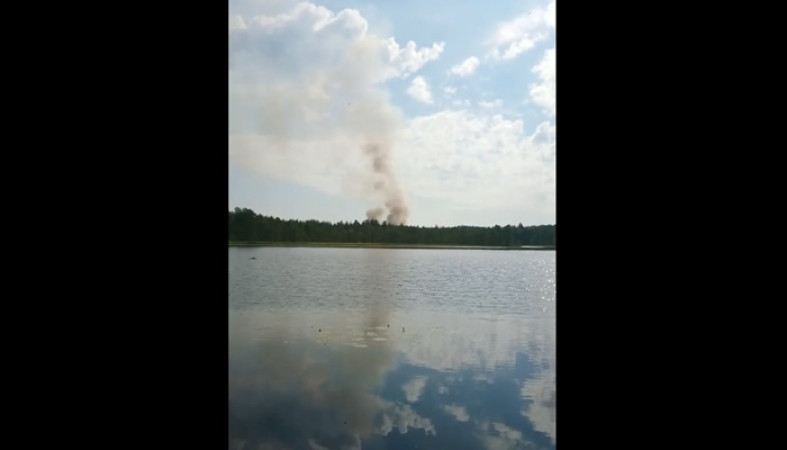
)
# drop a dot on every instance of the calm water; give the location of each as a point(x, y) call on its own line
point(391, 349)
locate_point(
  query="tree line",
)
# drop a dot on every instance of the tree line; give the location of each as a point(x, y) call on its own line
point(246, 226)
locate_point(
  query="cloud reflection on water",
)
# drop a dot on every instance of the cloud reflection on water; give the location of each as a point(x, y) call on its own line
point(307, 395)
point(304, 375)
point(320, 391)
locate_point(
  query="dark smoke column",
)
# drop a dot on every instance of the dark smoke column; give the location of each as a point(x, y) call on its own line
point(387, 184)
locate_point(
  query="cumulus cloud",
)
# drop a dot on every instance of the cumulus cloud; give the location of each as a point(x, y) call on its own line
point(419, 90)
point(410, 59)
point(512, 38)
point(479, 160)
point(466, 68)
point(543, 93)
point(307, 102)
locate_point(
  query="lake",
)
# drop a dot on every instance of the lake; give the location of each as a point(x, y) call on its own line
point(350, 348)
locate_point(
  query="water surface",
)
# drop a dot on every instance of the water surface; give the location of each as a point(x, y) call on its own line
point(391, 348)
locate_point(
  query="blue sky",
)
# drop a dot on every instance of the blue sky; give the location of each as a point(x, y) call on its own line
point(416, 112)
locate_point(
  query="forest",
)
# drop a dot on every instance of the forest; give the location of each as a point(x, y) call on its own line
point(246, 226)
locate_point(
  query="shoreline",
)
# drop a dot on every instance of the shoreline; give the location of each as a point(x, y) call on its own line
point(386, 245)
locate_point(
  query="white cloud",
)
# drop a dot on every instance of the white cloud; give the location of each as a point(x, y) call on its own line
point(414, 388)
point(512, 38)
point(306, 96)
point(480, 161)
point(466, 68)
point(544, 92)
point(458, 412)
point(308, 89)
point(311, 38)
point(410, 59)
point(419, 90)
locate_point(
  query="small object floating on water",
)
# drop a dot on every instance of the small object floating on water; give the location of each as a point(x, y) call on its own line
point(319, 330)
point(389, 325)
point(402, 329)
point(252, 258)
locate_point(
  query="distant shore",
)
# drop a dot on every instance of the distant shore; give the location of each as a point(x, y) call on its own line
point(383, 245)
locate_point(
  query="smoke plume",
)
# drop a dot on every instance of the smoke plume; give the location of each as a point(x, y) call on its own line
point(387, 184)
point(307, 102)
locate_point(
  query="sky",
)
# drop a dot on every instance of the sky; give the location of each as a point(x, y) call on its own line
point(414, 112)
